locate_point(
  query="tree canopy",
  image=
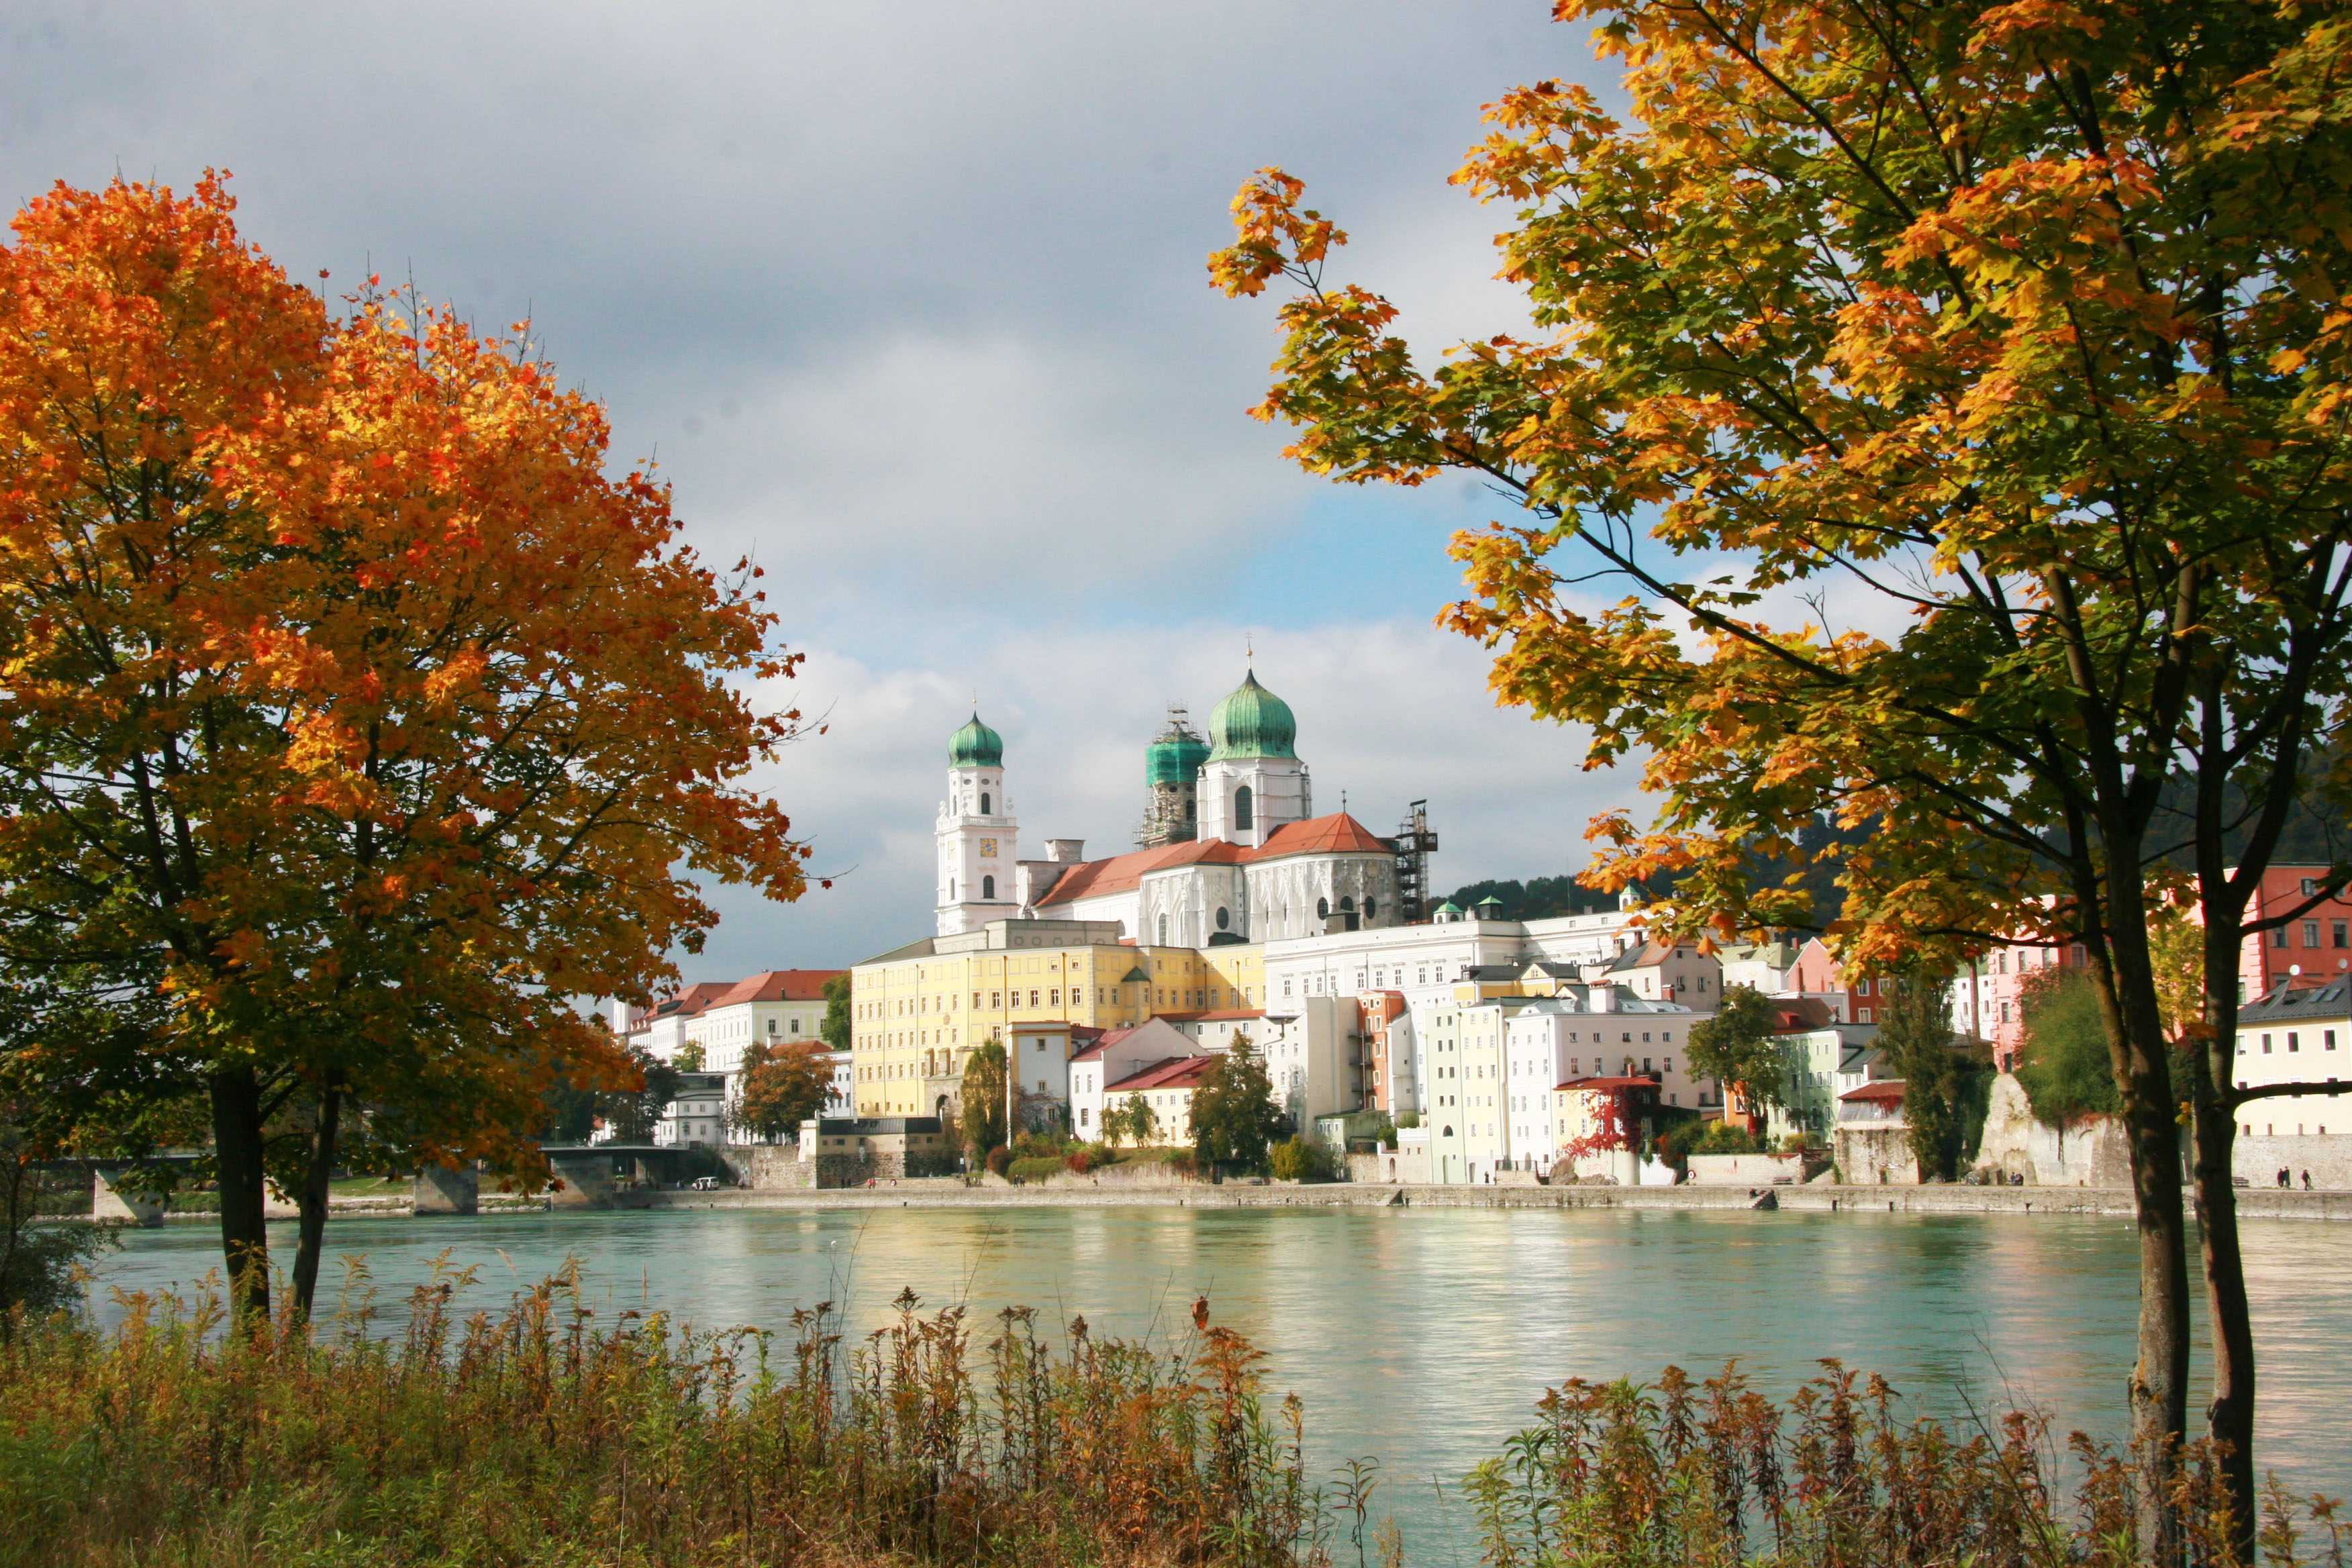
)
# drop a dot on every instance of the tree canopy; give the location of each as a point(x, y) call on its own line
point(784, 1085)
point(356, 712)
point(1234, 1117)
point(1953, 397)
point(1738, 1049)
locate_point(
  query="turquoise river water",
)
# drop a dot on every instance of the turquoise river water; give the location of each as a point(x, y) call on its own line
point(1422, 1337)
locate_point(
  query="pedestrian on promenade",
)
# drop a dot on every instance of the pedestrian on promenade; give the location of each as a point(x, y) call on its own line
point(2306, 1181)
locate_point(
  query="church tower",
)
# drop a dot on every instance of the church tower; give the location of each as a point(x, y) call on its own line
point(1172, 771)
point(1253, 782)
point(976, 834)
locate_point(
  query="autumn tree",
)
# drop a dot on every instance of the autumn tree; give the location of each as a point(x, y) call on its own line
point(1955, 395)
point(784, 1085)
point(357, 717)
point(1234, 1117)
point(1739, 1048)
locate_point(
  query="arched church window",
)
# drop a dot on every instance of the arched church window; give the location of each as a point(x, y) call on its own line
point(983, 803)
point(1322, 908)
point(1368, 909)
point(1225, 918)
point(1241, 818)
point(988, 887)
point(1348, 906)
point(1163, 931)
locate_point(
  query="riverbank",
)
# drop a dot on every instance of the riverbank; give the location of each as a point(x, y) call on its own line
point(1813, 1199)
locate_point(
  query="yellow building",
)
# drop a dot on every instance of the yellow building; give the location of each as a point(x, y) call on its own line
point(918, 1011)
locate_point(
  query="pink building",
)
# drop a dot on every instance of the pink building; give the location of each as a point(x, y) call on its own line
point(2313, 946)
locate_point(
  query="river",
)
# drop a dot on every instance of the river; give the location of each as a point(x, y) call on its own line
point(1422, 1337)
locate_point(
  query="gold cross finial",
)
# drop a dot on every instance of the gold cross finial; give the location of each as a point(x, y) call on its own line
point(1249, 648)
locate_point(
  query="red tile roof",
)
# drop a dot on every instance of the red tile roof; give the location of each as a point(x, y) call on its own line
point(1172, 1072)
point(1215, 1015)
point(1885, 1089)
point(1608, 1083)
point(1339, 834)
point(779, 986)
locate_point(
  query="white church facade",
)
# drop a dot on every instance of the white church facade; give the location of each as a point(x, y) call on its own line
point(1231, 851)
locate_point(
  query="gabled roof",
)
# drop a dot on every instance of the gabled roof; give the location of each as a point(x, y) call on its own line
point(779, 985)
point(1168, 1072)
point(1338, 834)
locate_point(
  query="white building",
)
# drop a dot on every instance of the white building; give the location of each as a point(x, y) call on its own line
point(710, 1026)
point(1117, 1055)
point(2296, 1036)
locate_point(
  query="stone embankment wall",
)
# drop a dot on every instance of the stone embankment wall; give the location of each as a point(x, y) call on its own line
point(1746, 1170)
point(2328, 1157)
point(2090, 1153)
point(1876, 1157)
point(778, 1167)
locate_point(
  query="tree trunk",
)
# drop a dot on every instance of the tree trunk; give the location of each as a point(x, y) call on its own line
point(2231, 1417)
point(318, 1187)
point(2125, 979)
point(237, 1155)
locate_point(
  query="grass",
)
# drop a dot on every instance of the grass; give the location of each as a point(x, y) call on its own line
point(541, 1435)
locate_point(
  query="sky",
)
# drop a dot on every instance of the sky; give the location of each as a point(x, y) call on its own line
point(908, 302)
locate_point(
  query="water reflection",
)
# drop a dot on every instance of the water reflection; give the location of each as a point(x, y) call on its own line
point(1424, 1337)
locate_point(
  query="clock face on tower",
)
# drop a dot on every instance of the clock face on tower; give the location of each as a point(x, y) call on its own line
point(988, 847)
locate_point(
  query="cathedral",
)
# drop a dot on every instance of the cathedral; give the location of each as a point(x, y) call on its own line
point(1230, 851)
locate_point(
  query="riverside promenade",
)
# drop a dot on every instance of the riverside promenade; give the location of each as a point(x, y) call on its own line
point(2253, 1203)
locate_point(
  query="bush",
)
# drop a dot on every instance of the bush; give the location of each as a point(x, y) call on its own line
point(1084, 1157)
point(1297, 1160)
point(1724, 1138)
point(2063, 1063)
point(1036, 1169)
point(999, 1158)
point(1719, 1476)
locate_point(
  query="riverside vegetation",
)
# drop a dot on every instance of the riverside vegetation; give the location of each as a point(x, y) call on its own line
point(545, 1435)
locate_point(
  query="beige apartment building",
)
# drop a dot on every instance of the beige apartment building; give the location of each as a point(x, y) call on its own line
point(918, 1010)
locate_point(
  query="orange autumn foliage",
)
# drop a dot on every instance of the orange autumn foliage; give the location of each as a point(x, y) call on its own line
point(351, 703)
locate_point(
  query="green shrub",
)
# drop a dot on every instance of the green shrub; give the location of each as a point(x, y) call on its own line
point(1297, 1160)
point(1036, 1169)
point(1724, 1138)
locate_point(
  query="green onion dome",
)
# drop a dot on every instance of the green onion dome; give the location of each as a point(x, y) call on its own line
point(1174, 758)
point(976, 746)
point(1253, 722)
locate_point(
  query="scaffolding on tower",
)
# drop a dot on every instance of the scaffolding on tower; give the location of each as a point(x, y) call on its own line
point(1415, 841)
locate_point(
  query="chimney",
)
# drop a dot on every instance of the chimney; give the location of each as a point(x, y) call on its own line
point(1067, 851)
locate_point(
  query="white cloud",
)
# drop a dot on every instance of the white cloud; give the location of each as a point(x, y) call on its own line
point(1388, 711)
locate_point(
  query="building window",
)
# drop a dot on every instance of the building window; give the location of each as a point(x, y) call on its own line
point(988, 888)
point(2328, 1041)
point(2294, 1045)
point(2266, 1045)
point(2309, 887)
point(1225, 918)
point(2341, 936)
point(1368, 909)
point(1241, 818)
point(1347, 906)
point(1032, 998)
point(2279, 937)
point(2311, 934)
point(983, 803)
point(1163, 931)
point(1322, 908)
point(996, 999)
